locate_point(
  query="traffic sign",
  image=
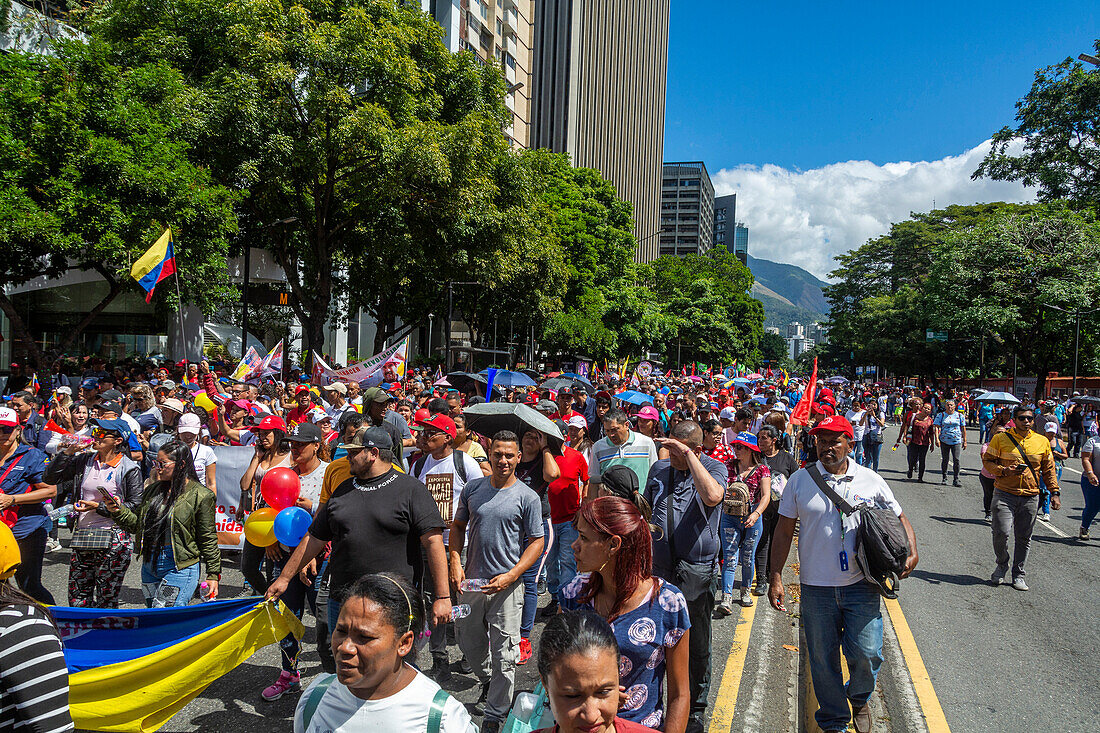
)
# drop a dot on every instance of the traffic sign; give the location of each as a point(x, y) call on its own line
point(935, 335)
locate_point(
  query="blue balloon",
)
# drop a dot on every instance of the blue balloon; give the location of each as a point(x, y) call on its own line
point(291, 525)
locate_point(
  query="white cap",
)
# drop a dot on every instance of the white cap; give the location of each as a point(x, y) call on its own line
point(577, 422)
point(336, 387)
point(189, 423)
point(65, 390)
point(727, 413)
point(8, 418)
point(1052, 427)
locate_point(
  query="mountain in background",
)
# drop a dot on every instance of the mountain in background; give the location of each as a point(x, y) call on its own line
point(788, 293)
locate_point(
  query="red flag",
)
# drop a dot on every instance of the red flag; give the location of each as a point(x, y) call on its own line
point(55, 428)
point(800, 415)
point(693, 369)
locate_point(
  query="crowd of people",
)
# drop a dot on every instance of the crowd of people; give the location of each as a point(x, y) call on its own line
point(650, 522)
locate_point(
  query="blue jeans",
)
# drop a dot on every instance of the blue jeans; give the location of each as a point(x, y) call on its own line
point(561, 566)
point(738, 549)
point(1092, 502)
point(858, 454)
point(531, 583)
point(1044, 495)
point(163, 585)
point(871, 452)
point(295, 597)
point(847, 617)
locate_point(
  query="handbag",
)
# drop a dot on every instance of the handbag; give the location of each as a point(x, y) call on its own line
point(737, 500)
point(882, 546)
point(10, 515)
point(692, 578)
point(95, 538)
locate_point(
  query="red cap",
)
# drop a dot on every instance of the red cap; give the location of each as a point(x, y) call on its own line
point(272, 422)
point(439, 422)
point(301, 388)
point(834, 424)
point(421, 415)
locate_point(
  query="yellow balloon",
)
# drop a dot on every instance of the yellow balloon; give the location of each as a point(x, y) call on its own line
point(259, 528)
point(203, 401)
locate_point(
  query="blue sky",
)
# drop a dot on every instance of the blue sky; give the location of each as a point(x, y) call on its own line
point(833, 120)
point(802, 85)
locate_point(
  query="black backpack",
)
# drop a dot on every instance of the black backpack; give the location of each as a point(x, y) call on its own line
point(881, 543)
point(460, 465)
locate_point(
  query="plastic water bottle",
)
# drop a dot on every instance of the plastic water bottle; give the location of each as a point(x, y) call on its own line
point(462, 610)
point(62, 511)
point(204, 592)
point(526, 705)
point(472, 584)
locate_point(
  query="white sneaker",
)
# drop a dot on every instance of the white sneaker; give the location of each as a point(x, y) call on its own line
point(725, 608)
point(746, 597)
point(52, 545)
point(1082, 534)
point(1045, 517)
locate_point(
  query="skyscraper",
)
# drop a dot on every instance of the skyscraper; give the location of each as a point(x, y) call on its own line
point(687, 209)
point(498, 32)
point(725, 214)
point(741, 242)
point(599, 74)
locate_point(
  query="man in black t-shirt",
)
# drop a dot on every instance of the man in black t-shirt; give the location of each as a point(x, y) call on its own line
point(378, 520)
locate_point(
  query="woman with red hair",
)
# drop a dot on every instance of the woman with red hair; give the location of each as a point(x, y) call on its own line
point(614, 556)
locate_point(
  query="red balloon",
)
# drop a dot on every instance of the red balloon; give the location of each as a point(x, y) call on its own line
point(280, 487)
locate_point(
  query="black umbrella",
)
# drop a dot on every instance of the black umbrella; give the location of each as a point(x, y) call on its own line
point(488, 418)
point(465, 381)
point(1087, 400)
point(573, 383)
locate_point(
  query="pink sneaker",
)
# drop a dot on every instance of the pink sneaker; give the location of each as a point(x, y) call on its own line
point(287, 681)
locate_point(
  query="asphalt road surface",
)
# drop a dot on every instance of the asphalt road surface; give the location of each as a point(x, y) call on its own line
point(959, 654)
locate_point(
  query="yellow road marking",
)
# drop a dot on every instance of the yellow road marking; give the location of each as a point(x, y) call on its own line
point(721, 720)
point(922, 684)
point(810, 722)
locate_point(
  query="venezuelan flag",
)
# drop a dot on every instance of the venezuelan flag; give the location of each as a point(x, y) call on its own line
point(131, 670)
point(158, 263)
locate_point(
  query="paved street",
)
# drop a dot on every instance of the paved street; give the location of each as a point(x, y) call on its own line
point(996, 658)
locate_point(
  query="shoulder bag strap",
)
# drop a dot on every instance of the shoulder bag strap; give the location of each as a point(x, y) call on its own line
point(11, 466)
point(314, 700)
point(435, 713)
point(1020, 450)
point(844, 507)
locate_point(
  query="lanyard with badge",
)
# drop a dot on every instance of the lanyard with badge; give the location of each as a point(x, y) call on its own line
point(843, 533)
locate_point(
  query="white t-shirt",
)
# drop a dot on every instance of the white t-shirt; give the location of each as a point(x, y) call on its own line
point(342, 712)
point(311, 485)
point(446, 482)
point(854, 416)
point(204, 456)
point(819, 533)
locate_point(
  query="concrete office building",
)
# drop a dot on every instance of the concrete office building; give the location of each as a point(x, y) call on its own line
point(498, 32)
point(599, 74)
point(687, 209)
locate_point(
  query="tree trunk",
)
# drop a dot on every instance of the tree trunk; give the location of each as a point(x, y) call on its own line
point(19, 328)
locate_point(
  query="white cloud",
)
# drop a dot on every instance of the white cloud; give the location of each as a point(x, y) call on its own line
point(806, 217)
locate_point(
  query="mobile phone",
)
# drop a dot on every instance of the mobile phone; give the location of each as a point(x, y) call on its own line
point(107, 497)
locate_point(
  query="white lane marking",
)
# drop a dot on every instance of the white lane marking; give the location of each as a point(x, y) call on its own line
point(1054, 529)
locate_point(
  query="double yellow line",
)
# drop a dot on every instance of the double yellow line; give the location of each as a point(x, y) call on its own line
point(721, 720)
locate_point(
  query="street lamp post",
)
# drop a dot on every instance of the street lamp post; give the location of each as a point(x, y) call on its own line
point(431, 318)
point(1077, 335)
point(451, 318)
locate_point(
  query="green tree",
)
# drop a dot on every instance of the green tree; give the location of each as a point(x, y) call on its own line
point(1057, 121)
point(93, 167)
point(1001, 274)
point(773, 349)
point(353, 119)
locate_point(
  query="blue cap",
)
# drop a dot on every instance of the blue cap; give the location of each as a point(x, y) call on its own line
point(746, 439)
point(90, 383)
point(663, 390)
point(119, 426)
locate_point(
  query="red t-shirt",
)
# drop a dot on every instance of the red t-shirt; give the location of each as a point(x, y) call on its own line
point(565, 492)
point(296, 416)
point(564, 418)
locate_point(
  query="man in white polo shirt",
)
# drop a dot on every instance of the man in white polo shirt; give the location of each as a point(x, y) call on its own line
point(840, 610)
point(620, 446)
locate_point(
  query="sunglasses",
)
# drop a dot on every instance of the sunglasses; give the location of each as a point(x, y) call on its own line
point(101, 433)
point(7, 429)
point(164, 464)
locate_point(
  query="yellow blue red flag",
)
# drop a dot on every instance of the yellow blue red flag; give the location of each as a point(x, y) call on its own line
point(158, 263)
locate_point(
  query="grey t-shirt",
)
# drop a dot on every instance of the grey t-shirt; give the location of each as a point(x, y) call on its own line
point(696, 534)
point(499, 522)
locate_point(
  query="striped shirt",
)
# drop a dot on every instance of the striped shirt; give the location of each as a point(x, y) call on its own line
point(34, 681)
point(638, 453)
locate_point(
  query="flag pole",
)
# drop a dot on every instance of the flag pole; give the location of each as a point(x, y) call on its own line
point(179, 309)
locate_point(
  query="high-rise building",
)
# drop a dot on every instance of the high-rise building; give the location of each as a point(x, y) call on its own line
point(498, 32)
point(725, 214)
point(741, 242)
point(599, 74)
point(687, 209)
point(796, 330)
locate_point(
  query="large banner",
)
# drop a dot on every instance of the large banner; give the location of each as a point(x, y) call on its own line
point(388, 366)
point(233, 460)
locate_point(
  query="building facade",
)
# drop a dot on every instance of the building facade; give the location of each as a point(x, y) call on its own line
point(599, 73)
point(741, 242)
point(725, 214)
point(497, 32)
point(687, 209)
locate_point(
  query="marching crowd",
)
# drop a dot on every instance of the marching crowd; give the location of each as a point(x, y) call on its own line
point(426, 533)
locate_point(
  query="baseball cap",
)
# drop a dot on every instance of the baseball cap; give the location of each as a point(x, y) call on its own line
point(90, 383)
point(577, 422)
point(112, 395)
point(318, 415)
point(301, 388)
point(603, 394)
point(110, 406)
point(748, 440)
point(369, 437)
point(167, 385)
point(271, 422)
point(64, 389)
point(1052, 427)
point(834, 424)
point(377, 394)
point(648, 413)
point(172, 404)
point(336, 387)
point(305, 432)
point(727, 413)
point(620, 480)
point(565, 390)
point(546, 406)
point(440, 422)
point(116, 426)
point(189, 423)
point(8, 418)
